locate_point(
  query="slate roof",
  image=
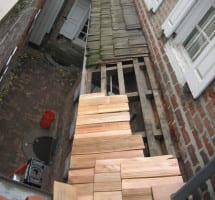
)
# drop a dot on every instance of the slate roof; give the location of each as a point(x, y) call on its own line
point(114, 31)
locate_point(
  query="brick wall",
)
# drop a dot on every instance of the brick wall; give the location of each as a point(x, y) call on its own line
point(191, 121)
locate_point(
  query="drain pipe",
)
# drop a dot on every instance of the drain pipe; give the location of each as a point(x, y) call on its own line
point(82, 90)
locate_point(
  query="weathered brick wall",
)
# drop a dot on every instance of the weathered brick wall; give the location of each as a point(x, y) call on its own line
point(191, 121)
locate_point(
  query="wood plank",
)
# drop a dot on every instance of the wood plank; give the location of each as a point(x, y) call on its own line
point(81, 176)
point(107, 186)
point(116, 195)
point(147, 168)
point(107, 177)
point(108, 165)
point(92, 95)
point(89, 160)
point(146, 111)
point(138, 197)
point(103, 134)
point(103, 118)
point(160, 108)
point(107, 144)
point(88, 81)
point(103, 79)
point(98, 109)
point(162, 192)
point(84, 191)
point(133, 186)
point(89, 128)
point(121, 80)
point(103, 100)
point(145, 194)
point(64, 191)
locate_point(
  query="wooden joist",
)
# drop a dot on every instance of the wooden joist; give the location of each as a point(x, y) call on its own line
point(121, 80)
point(150, 127)
point(103, 79)
point(160, 108)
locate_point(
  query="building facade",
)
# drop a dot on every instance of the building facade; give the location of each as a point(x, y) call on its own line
point(180, 36)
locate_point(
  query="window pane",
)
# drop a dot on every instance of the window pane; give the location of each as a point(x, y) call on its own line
point(196, 47)
point(207, 23)
point(210, 29)
point(191, 38)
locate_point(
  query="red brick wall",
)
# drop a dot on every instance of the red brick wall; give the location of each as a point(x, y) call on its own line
point(191, 121)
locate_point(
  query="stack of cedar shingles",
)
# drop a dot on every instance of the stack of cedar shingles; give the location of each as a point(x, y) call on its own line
point(107, 161)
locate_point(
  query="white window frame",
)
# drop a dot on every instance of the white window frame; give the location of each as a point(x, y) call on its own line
point(153, 5)
point(185, 69)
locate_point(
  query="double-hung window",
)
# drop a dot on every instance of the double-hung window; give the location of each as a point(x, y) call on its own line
point(192, 50)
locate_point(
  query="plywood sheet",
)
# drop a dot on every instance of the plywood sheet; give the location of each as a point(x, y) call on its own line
point(103, 100)
point(133, 186)
point(150, 167)
point(64, 191)
point(107, 186)
point(89, 160)
point(103, 134)
point(103, 118)
point(116, 195)
point(81, 176)
point(107, 144)
point(164, 191)
point(108, 108)
point(114, 126)
point(107, 177)
point(84, 191)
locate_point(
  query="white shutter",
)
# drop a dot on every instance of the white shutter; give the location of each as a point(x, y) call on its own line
point(176, 16)
point(76, 19)
point(202, 72)
point(153, 4)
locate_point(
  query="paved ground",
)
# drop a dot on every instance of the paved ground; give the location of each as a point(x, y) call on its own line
point(35, 85)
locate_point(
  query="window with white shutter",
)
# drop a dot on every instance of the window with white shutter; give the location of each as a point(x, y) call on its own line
point(177, 15)
point(76, 19)
point(193, 48)
point(153, 4)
